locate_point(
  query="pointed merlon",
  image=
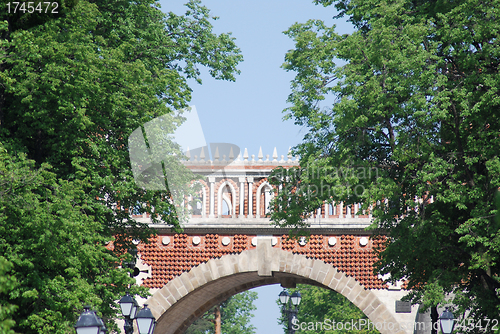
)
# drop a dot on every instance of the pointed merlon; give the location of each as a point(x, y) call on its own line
point(231, 154)
point(188, 154)
point(202, 155)
point(289, 154)
point(245, 155)
point(216, 155)
point(275, 155)
point(260, 156)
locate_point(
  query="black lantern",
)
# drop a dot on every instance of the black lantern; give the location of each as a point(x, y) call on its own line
point(447, 322)
point(296, 298)
point(89, 322)
point(284, 296)
point(146, 322)
point(128, 306)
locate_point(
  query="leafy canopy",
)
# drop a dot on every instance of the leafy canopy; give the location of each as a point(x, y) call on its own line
point(73, 87)
point(412, 134)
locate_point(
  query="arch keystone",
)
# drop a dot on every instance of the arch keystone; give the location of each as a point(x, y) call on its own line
point(264, 257)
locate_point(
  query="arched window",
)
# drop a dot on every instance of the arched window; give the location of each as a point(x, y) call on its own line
point(226, 207)
point(226, 201)
point(197, 202)
point(264, 196)
point(331, 210)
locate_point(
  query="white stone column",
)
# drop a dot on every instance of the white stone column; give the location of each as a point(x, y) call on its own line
point(327, 210)
point(341, 210)
point(242, 197)
point(211, 179)
point(250, 203)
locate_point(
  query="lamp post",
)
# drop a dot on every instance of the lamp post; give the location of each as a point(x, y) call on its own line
point(447, 322)
point(90, 323)
point(291, 309)
point(128, 306)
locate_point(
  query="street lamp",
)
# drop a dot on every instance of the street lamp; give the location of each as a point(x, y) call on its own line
point(146, 322)
point(291, 312)
point(447, 322)
point(128, 306)
point(89, 323)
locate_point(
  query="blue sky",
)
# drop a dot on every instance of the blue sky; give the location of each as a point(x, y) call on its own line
point(248, 112)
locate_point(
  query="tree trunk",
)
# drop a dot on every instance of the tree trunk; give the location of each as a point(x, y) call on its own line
point(217, 320)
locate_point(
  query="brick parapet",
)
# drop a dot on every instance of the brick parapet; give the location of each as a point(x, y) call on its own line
point(186, 251)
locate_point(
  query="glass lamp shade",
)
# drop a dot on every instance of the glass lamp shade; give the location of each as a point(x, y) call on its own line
point(447, 321)
point(88, 322)
point(127, 304)
point(133, 312)
point(284, 296)
point(296, 298)
point(145, 321)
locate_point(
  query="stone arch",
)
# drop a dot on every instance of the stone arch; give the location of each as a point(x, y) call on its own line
point(191, 294)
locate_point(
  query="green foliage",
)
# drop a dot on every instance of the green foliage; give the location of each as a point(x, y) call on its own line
point(73, 87)
point(327, 307)
point(58, 253)
point(7, 284)
point(236, 313)
point(412, 134)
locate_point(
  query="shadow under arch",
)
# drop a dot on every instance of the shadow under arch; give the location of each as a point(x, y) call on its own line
point(188, 296)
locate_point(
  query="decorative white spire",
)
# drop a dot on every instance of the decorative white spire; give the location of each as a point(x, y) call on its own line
point(260, 156)
point(216, 155)
point(275, 155)
point(245, 155)
point(202, 155)
point(231, 154)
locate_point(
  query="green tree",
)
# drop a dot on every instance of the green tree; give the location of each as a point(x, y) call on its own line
point(327, 307)
point(413, 134)
point(75, 87)
point(236, 313)
point(57, 252)
point(7, 284)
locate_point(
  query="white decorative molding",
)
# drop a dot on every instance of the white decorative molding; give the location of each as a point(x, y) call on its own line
point(225, 241)
point(363, 241)
point(332, 241)
point(196, 240)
